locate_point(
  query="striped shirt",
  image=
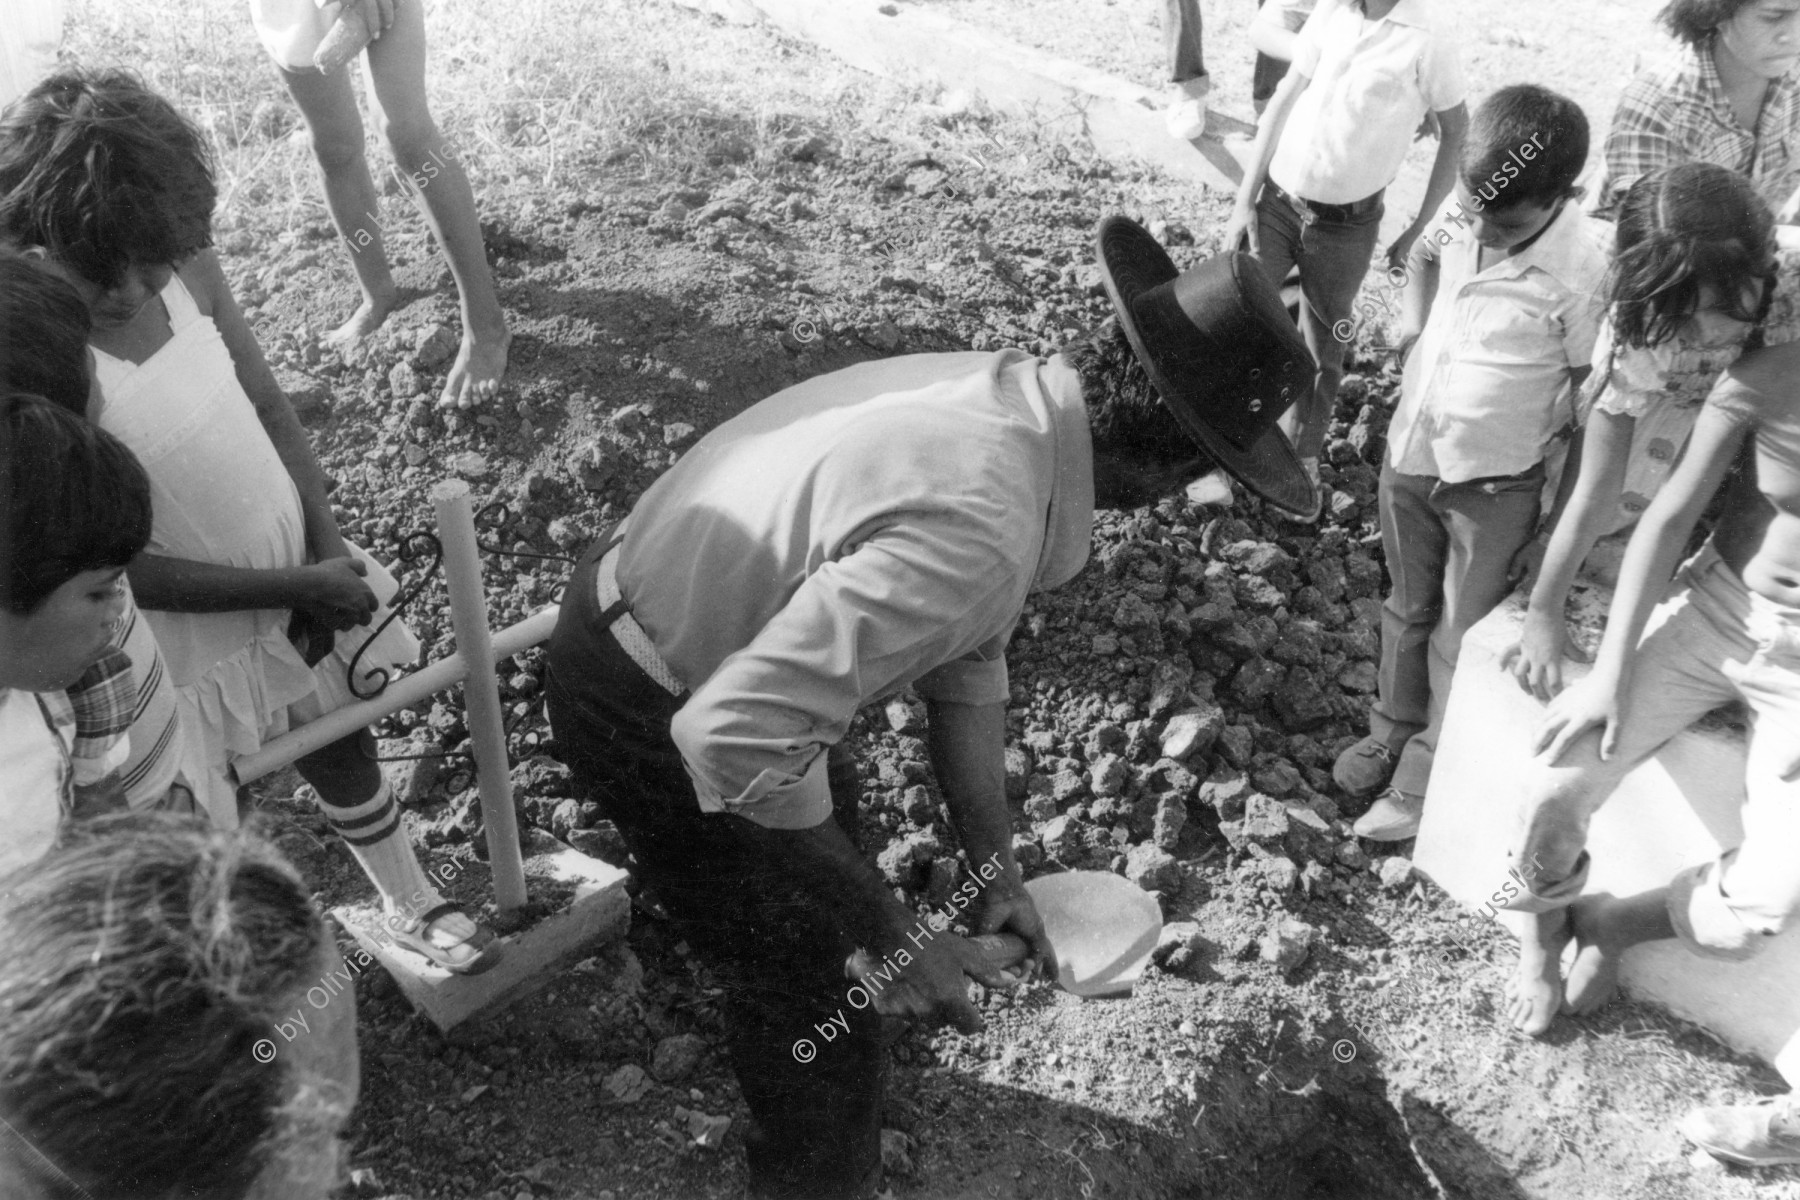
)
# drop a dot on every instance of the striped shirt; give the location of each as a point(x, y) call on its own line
point(1677, 112)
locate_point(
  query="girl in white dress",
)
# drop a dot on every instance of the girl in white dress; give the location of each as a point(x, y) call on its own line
point(251, 589)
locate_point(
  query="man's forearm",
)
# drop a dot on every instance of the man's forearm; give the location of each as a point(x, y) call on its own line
point(967, 744)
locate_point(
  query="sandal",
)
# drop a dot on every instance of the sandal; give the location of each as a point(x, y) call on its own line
point(414, 936)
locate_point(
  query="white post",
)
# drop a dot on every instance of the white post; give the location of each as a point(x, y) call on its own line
point(481, 691)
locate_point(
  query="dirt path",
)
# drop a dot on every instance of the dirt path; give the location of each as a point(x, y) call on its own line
point(685, 217)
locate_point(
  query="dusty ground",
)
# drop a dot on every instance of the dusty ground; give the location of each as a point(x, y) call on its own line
point(685, 217)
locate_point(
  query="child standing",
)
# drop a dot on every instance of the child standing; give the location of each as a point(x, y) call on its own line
point(74, 509)
point(1694, 282)
point(1365, 73)
point(291, 30)
point(248, 580)
point(1501, 314)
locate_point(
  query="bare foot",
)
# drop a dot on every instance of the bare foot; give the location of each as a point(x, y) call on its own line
point(1536, 992)
point(365, 320)
point(1594, 975)
point(475, 375)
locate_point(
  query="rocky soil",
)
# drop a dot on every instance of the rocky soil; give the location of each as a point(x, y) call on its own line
point(1320, 1023)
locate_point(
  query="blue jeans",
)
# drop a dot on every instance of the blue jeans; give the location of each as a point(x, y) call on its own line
point(1333, 257)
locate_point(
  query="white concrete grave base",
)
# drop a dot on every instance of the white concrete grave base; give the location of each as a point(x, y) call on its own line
point(1679, 808)
point(600, 912)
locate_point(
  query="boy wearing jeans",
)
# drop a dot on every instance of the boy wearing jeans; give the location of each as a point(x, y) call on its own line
point(1511, 281)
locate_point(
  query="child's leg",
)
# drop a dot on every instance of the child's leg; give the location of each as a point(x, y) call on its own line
point(356, 799)
point(1334, 258)
point(329, 109)
point(1415, 545)
point(1486, 523)
point(1675, 679)
point(396, 65)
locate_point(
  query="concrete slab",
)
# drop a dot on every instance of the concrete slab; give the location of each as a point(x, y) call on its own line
point(597, 913)
point(1123, 120)
point(1677, 809)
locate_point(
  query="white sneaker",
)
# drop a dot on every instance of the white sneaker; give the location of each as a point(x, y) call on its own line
point(1186, 114)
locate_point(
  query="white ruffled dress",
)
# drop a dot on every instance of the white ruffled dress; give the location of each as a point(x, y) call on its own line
point(221, 494)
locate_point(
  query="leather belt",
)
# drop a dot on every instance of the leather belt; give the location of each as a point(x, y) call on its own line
point(626, 631)
point(1314, 210)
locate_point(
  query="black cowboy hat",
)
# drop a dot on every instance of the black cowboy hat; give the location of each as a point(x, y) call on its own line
point(1221, 350)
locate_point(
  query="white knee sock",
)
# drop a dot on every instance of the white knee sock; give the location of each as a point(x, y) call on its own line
point(377, 837)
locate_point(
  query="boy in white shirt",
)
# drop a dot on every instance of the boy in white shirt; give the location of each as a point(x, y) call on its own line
point(1501, 309)
point(74, 510)
point(1365, 73)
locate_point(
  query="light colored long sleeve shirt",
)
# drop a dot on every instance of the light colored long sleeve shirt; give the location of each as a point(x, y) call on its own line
point(868, 529)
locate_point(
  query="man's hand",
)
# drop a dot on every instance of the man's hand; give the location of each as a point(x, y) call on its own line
point(933, 988)
point(1006, 906)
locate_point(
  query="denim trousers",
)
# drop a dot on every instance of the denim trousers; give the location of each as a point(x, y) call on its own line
point(779, 955)
point(1448, 548)
point(1332, 257)
point(1181, 40)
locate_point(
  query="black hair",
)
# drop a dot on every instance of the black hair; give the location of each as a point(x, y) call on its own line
point(1681, 229)
point(44, 329)
point(1126, 414)
point(145, 958)
point(104, 173)
point(72, 499)
point(1695, 21)
point(1526, 145)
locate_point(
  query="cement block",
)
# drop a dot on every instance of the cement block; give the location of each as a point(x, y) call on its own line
point(913, 43)
point(1679, 808)
point(599, 912)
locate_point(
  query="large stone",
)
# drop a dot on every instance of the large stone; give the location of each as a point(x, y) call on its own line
point(1257, 680)
point(1225, 791)
point(1192, 731)
point(1396, 873)
point(905, 714)
point(1288, 944)
point(1177, 945)
point(1265, 820)
point(1107, 776)
point(676, 1057)
point(899, 862)
point(1152, 868)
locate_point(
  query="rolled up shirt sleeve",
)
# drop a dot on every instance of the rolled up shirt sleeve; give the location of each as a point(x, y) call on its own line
point(911, 601)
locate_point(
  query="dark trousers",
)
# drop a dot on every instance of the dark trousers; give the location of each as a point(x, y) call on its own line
point(1449, 547)
point(815, 1128)
point(1181, 40)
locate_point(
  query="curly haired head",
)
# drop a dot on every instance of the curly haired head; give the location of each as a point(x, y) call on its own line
point(103, 172)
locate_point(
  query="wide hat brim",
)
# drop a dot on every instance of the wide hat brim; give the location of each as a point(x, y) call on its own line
point(1205, 375)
